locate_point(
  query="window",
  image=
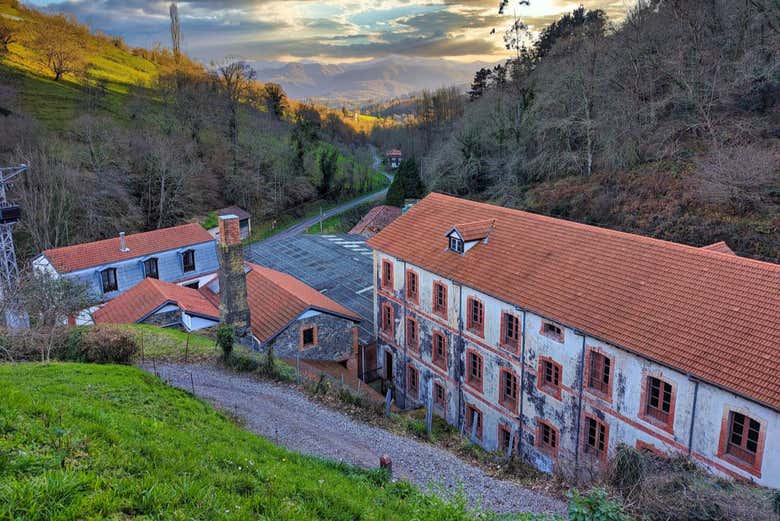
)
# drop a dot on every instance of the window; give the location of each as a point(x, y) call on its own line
point(474, 370)
point(548, 378)
point(473, 417)
point(387, 275)
point(388, 324)
point(412, 290)
point(188, 260)
point(439, 395)
point(308, 336)
point(504, 437)
point(547, 437)
point(508, 390)
point(150, 268)
point(412, 334)
point(510, 331)
point(551, 330)
point(659, 399)
point(440, 299)
point(193, 285)
point(476, 316)
point(456, 245)
point(599, 373)
point(413, 382)
point(743, 437)
point(108, 280)
point(439, 349)
point(596, 438)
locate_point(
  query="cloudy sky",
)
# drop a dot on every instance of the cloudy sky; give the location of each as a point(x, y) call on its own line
point(330, 31)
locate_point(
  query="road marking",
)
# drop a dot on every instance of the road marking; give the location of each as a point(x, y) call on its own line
point(364, 290)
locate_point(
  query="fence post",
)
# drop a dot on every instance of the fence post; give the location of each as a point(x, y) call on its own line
point(187, 349)
point(429, 409)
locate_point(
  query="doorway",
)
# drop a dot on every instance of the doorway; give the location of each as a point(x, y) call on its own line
point(389, 366)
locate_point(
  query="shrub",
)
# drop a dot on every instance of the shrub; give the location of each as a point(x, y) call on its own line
point(226, 336)
point(596, 506)
point(100, 345)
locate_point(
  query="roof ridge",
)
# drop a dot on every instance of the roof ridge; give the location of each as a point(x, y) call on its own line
point(697, 250)
point(99, 241)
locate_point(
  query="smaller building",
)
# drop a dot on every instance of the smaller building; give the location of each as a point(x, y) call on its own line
point(394, 158)
point(185, 255)
point(376, 220)
point(244, 219)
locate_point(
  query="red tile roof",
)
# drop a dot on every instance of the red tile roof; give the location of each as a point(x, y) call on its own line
point(149, 295)
point(720, 247)
point(714, 316)
point(376, 219)
point(475, 231)
point(394, 153)
point(90, 254)
point(276, 299)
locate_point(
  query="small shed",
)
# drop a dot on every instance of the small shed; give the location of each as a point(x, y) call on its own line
point(244, 219)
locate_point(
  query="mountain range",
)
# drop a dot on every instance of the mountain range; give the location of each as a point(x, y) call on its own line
point(352, 84)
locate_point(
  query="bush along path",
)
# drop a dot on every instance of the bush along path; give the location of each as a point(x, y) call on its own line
point(288, 417)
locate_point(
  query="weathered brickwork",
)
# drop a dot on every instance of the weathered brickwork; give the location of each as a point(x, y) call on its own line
point(334, 339)
point(616, 405)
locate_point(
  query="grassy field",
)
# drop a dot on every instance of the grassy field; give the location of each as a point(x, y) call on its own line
point(84, 441)
point(173, 345)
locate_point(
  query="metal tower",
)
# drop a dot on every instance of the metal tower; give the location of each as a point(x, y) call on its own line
point(9, 215)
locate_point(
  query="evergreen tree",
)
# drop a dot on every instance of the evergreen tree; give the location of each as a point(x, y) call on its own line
point(407, 184)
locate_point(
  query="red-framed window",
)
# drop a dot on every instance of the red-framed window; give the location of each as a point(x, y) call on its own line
point(547, 437)
point(742, 441)
point(412, 334)
point(510, 331)
point(504, 437)
point(412, 286)
point(474, 367)
point(548, 377)
point(413, 382)
point(507, 390)
point(387, 275)
point(475, 321)
point(553, 331)
point(440, 299)
point(473, 414)
point(599, 368)
point(439, 395)
point(388, 320)
point(439, 349)
point(657, 402)
point(596, 438)
point(308, 338)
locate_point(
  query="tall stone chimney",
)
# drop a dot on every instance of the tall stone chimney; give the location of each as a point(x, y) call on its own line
point(233, 305)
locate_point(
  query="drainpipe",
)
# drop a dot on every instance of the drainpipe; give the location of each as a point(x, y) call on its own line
point(579, 408)
point(403, 323)
point(693, 413)
point(522, 389)
point(459, 365)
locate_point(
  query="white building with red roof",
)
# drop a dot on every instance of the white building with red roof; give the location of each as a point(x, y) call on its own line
point(559, 341)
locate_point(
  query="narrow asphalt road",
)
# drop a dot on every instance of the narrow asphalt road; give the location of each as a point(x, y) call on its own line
point(289, 418)
point(304, 225)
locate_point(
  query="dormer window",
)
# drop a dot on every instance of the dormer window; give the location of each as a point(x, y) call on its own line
point(150, 268)
point(456, 244)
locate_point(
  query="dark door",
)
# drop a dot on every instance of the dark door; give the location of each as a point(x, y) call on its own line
point(389, 366)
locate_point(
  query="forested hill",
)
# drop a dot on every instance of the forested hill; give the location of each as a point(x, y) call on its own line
point(666, 124)
point(128, 139)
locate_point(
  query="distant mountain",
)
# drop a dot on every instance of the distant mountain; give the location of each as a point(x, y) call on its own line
point(374, 80)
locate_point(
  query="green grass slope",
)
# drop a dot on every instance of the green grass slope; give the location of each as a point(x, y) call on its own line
point(108, 442)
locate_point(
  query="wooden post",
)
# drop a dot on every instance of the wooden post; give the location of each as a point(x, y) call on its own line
point(429, 409)
point(388, 400)
point(187, 349)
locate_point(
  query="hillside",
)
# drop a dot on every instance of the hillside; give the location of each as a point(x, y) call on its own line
point(111, 442)
point(666, 124)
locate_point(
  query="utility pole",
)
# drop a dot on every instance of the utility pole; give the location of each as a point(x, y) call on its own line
point(9, 270)
point(175, 32)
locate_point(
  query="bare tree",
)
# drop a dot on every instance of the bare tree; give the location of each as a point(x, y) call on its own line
point(236, 79)
point(61, 42)
point(7, 34)
point(175, 32)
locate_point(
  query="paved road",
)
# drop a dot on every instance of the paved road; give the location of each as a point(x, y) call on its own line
point(289, 418)
point(304, 225)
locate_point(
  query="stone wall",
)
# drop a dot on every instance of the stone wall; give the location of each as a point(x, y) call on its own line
point(335, 339)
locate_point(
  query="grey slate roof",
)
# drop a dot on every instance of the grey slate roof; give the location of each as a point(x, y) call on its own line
point(339, 266)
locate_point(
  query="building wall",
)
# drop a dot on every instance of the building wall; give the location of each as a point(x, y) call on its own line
point(335, 338)
point(131, 272)
point(621, 409)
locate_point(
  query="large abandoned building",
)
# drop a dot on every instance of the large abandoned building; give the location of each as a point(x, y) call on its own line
point(559, 341)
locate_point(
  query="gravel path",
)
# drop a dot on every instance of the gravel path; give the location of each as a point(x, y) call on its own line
point(287, 417)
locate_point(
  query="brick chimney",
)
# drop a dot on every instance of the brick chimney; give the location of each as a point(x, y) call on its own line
point(233, 305)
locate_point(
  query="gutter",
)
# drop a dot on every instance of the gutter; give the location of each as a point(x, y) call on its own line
point(403, 322)
point(459, 366)
point(522, 389)
point(693, 412)
point(581, 385)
